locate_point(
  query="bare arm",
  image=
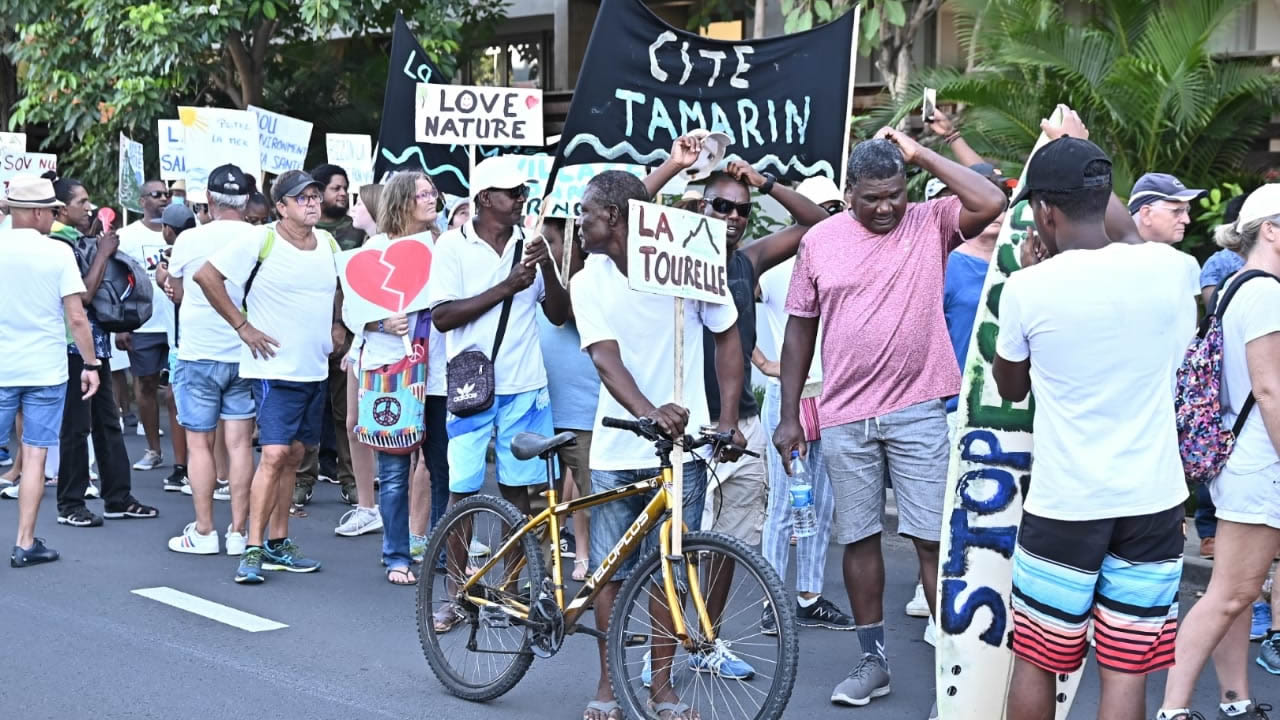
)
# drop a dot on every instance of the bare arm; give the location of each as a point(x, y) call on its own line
point(175, 284)
point(764, 364)
point(729, 374)
point(456, 313)
point(980, 200)
point(621, 384)
point(1206, 294)
point(684, 152)
point(1013, 379)
point(213, 283)
point(797, 354)
point(1264, 374)
point(943, 126)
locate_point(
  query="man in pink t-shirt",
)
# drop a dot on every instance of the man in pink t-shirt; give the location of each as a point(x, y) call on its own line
point(874, 276)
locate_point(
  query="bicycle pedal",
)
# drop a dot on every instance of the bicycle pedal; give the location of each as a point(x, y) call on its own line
point(636, 640)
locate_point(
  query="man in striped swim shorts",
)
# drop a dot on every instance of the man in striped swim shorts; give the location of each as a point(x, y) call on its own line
point(1101, 535)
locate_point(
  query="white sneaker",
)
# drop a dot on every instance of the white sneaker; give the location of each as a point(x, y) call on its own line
point(142, 432)
point(919, 606)
point(92, 492)
point(236, 542)
point(222, 493)
point(186, 489)
point(358, 521)
point(478, 549)
point(150, 461)
point(194, 543)
point(931, 633)
point(9, 492)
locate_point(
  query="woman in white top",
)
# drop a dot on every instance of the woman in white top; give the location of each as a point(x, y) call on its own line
point(1247, 492)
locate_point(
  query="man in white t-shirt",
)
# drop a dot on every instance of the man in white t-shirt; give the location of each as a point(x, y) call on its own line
point(42, 298)
point(209, 389)
point(1097, 330)
point(290, 280)
point(476, 269)
point(629, 336)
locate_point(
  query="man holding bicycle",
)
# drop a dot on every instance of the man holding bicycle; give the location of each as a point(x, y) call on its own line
point(628, 336)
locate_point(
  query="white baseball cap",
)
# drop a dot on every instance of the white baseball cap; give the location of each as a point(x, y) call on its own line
point(820, 189)
point(501, 172)
point(1261, 203)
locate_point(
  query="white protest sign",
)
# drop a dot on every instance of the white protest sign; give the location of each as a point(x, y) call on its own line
point(353, 153)
point(129, 176)
point(385, 277)
point(678, 253)
point(13, 141)
point(282, 141)
point(468, 115)
point(17, 162)
point(565, 200)
point(172, 141)
point(215, 136)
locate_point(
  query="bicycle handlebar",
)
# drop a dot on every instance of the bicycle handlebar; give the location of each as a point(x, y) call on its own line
point(649, 430)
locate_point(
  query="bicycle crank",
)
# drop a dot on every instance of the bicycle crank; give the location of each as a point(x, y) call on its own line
point(546, 623)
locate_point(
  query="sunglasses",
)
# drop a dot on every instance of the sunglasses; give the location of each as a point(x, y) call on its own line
point(157, 194)
point(725, 206)
point(833, 208)
point(520, 192)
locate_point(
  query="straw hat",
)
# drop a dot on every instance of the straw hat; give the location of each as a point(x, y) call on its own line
point(29, 191)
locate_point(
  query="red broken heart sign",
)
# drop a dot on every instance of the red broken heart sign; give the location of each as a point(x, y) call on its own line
point(392, 277)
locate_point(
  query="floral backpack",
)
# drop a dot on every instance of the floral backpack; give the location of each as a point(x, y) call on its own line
point(1203, 441)
point(391, 415)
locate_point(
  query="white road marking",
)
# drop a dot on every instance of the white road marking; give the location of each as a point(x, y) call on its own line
point(207, 608)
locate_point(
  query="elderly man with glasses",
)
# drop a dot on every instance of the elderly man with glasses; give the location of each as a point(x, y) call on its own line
point(1161, 207)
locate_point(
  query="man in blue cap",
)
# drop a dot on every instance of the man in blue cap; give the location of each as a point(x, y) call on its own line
point(1161, 207)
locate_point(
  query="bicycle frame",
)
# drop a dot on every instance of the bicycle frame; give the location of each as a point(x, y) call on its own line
point(624, 548)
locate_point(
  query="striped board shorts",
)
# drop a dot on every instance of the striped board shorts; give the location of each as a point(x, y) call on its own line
point(1121, 573)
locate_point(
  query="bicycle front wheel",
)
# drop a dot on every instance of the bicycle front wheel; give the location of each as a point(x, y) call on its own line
point(478, 652)
point(745, 672)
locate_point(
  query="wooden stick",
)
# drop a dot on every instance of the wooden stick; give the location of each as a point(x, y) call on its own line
point(848, 103)
point(570, 232)
point(677, 454)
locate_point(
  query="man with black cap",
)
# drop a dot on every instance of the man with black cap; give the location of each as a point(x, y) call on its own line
point(1161, 207)
point(211, 392)
point(1101, 534)
point(289, 278)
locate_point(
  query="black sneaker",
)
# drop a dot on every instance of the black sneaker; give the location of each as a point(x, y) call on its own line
point(80, 517)
point(176, 480)
point(34, 555)
point(768, 623)
point(349, 495)
point(568, 545)
point(823, 614)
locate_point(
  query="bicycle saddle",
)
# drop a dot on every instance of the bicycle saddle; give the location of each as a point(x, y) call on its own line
point(527, 445)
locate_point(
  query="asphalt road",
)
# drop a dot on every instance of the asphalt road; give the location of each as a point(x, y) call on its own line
point(77, 642)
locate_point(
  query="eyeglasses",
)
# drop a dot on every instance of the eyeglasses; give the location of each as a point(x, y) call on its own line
point(426, 195)
point(724, 206)
point(308, 199)
point(1180, 210)
point(157, 194)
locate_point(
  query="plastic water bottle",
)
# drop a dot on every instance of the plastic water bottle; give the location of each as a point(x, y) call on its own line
point(804, 520)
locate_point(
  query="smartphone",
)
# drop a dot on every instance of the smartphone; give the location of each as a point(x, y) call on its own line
point(929, 105)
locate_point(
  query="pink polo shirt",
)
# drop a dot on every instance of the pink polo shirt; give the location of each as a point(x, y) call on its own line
point(884, 342)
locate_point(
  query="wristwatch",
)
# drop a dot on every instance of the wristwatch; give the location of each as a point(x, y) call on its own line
point(769, 180)
point(87, 366)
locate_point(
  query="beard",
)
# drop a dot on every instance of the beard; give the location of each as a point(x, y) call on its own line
point(334, 212)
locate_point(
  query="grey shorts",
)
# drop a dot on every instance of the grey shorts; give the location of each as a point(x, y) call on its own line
point(738, 494)
point(150, 354)
point(911, 445)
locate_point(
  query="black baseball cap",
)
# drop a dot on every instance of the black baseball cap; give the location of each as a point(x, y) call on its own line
point(291, 184)
point(1059, 166)
point(1153, 187)
point(228, 180)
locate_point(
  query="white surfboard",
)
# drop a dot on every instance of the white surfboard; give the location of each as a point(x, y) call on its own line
point(990, 468)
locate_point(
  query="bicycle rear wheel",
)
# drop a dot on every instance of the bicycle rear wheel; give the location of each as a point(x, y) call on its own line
point(478, 653)
point(749, 591)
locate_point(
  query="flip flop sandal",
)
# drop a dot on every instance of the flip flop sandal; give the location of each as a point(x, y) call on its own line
point(611, 709)
point(579, 570)
point(679, 711)
point(297, 512)
point(447, 618)
point(401, 571)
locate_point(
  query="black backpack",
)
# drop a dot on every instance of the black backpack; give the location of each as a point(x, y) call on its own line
point(123, 300)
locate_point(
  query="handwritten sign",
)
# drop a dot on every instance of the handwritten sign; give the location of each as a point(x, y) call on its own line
point(13, 141)
point(469, 115)
point(129, 177)
point(678, 253)
point(16, 162)
point(385, 277)
point(282, 141)
point(353, 153)
point(215, 136)
point(172, 142)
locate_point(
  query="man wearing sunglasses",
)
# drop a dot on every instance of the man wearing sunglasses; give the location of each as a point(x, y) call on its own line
point(1161, 207)
point(148, 346)
point(738, 494)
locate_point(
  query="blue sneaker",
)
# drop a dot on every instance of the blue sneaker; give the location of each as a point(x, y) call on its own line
point(5, 458)
point(250, 570)
point(1269, 655)
point(288, 556)
point(646, 673)
point(1261, 620)
point(721, 661)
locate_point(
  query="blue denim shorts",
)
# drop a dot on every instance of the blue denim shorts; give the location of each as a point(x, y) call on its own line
point(469, 441)
point(289, 411)
point(206, 391)
point(610, 520)
point(41, 412)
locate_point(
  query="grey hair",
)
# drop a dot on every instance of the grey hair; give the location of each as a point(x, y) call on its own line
point(1242, 238)
point(875, 160)
point(228, 202)
point(615, 187)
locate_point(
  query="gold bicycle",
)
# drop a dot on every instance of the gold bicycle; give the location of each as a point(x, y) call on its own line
point(694, 620)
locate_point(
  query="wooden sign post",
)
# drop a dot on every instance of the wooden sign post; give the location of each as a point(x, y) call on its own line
point(681, 254)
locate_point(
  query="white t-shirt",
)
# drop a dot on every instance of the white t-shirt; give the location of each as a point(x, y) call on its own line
point(773, 300)
point(38, 273)
point(464, 266)
point(606, 308)
point(1105, 330)
point(291, 300)
point(204, 334)
point(147, 247)
point(1254, 311)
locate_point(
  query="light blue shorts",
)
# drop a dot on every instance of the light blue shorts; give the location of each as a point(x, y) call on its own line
point(41, 412)
point(206, 391)
point(469, 441)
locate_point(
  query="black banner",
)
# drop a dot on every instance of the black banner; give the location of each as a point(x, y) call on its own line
point(446, 164)
point(781, 100)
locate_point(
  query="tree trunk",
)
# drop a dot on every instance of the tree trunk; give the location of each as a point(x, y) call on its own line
point(8, 89)
point(757, 29)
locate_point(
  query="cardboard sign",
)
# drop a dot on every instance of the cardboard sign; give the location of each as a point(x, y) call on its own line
point(215, 136)
point(470, 115)
point(282, 141)
point(129, 177)
point(677, 253)
point(171, 138)
point(13, 141)
point(353, 153)
point(17, 162)
point(385, 277)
